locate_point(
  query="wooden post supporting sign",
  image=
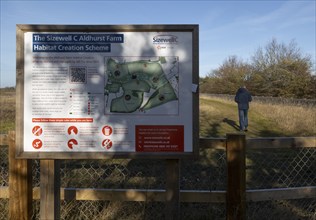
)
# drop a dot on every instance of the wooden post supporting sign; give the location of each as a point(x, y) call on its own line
point(20, 184)
point(236, 178)
point(173, 189)
point(50, 189)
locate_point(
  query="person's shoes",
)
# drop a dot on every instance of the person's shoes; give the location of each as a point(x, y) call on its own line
point(246, 129)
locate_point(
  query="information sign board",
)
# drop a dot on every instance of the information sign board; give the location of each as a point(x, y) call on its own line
point(106, 91)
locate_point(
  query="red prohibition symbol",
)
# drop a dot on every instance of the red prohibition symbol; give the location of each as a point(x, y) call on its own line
point(37, 130)
point(107, 143)
point(37, 143)
point(72, 129)
point(107, 130)
point(71, 143)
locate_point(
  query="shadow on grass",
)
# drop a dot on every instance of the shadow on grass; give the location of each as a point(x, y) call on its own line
point(211, 130)
point(232, 123)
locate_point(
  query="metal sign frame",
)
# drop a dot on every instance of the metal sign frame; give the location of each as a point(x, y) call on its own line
point(22, 104)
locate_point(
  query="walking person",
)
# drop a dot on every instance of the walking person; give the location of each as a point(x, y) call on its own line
point(243, 97)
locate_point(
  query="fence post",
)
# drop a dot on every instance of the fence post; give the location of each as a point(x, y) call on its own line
point(236, 177)
point(20, 184)
point(173, 189)
point(50, 189)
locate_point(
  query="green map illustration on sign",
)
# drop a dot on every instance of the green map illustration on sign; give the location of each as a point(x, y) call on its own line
point(140, 85)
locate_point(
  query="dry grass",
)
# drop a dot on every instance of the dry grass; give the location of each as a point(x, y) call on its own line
point(296, 120)
point(218, 116)
point(7, 110)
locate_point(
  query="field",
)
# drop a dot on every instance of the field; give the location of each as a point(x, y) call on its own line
point(218, 116)
point(7, 110)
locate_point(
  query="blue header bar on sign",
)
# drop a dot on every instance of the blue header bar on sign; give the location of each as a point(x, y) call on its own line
point(105, 48)
point(78, 38)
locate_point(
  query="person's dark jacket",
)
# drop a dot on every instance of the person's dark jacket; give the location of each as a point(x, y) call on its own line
point(243, 98)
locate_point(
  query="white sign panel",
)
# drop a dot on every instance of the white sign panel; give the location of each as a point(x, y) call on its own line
point(128, 92)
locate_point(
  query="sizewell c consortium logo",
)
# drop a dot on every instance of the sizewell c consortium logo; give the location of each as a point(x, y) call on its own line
point(166, 40)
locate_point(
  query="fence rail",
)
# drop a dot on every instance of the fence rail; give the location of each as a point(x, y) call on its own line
point(306, 192)
point(158, 195)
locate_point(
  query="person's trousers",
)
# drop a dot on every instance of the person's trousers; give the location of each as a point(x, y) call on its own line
point(243, 118)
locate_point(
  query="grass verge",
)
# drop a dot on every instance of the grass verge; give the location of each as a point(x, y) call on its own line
point(219, 116)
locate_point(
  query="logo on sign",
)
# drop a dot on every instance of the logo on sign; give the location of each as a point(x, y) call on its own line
point(165, 39)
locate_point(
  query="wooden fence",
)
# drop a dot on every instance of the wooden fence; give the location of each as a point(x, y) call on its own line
point(21, 194)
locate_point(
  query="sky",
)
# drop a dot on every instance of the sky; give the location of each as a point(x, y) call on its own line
point(226, 28)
